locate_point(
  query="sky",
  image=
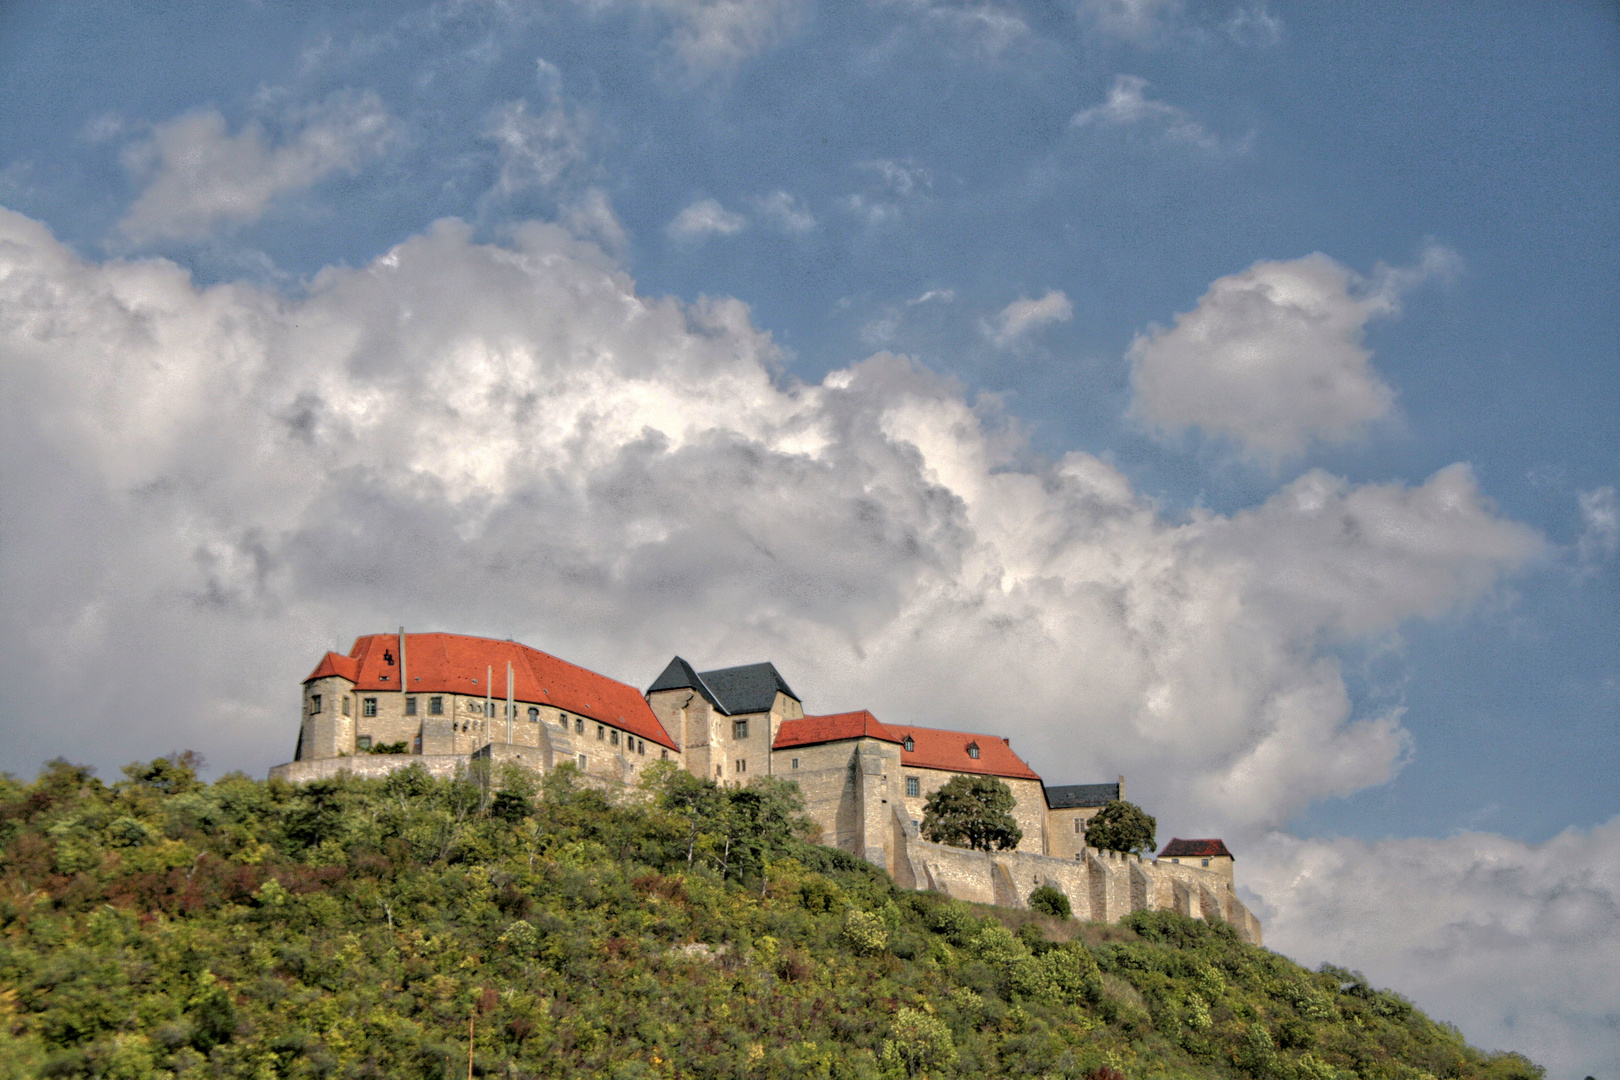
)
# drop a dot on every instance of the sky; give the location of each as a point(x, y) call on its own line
point(1222, 395)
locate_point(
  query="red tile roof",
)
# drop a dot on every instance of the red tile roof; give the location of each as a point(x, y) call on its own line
point(936, 749)
point(1193, 849)
point(824, 729)
point(457, 664)
point(931, 747)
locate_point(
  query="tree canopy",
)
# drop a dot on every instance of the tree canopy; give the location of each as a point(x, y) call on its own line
point(972, 812)
point(1122, 826)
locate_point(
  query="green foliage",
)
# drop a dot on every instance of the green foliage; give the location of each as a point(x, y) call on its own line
point(162, 927)
point(1049, 900)
point(972, 812)
point(401, 747)
point(1122, 826)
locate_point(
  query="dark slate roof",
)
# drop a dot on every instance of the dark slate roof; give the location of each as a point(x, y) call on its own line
point(750, 688)
point(1081, 795)
point(680, 676)
point(1185, 849)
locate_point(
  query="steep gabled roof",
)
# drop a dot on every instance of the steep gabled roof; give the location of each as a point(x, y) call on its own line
point(751, 688)
point(344, 667)
point(1071, 796)
point(933, 748)
point(679, 675)
point(458, 664)
point(824, 729)
point(1193, 849)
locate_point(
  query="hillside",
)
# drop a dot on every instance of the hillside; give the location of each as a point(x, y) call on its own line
point(163, 927)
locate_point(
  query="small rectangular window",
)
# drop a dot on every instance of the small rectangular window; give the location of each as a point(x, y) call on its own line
point(562, 720)
point(666, 755)
point(742, 764)
point(601, 732)
point(489, 709)
point(345, 706)
point(1077, 826)
point(579, 726)
point(739, 729)
point(582, 763)
point(363, 743)
point(641, 747)
point(795, 763)
point(314, 703)
point(416, 745)
point(410, 706)
point(913, 787)
point(613, 738)
point(435, 706)
point(368, 707)
point(1206, 862)
point(534, 716)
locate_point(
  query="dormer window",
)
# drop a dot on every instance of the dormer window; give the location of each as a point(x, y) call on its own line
point(973, 751)
point(910, 744)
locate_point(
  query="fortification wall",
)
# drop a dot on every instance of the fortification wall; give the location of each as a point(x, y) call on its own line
point(1101, 886)
point(369, 766)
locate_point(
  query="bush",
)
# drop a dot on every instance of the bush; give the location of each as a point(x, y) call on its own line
point(1050, 901)
point(865, 932)
point(918, 1041)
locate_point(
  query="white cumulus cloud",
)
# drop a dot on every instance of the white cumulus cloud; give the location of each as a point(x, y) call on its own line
point(706, 217)
point(200, 177)
point(1024, 316)
point(1273, 357)
point(1600, 524)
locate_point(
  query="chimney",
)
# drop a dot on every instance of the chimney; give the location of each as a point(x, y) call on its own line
point(489, 677)
point(1122, 789)
point(403, 685)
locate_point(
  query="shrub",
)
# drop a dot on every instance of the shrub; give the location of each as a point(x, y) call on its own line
point(865, 932)
point(1050, 901)
point(918, 1041)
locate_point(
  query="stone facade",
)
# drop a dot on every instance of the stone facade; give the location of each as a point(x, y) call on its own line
point(460, 705)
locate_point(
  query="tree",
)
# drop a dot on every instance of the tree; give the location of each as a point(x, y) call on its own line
point(972, 812)
point(1050, 901)
point(1122, 826)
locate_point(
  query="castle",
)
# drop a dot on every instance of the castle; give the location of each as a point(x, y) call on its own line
point(446, 701)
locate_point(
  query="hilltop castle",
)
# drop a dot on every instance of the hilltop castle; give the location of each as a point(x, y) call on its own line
point(446, 701)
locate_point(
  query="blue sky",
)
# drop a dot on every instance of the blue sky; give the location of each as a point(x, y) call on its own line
point(1219, 265)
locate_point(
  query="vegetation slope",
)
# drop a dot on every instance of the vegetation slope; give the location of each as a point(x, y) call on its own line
point(163, 927)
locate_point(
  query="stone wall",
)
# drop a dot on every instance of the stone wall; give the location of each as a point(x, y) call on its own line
point(1029, 810)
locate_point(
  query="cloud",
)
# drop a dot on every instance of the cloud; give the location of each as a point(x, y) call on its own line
point(1272, 358)
point(591, 217)
point(1128, 105)
point(718, 36)
point(201, 178)
point(1022, 317)
point(1132, 20)
point(514, 440)
point(536, 149)
point(788, 212)
point(1600, 525)
point(1155, 22)
point(1513, 942)
point(706, 218)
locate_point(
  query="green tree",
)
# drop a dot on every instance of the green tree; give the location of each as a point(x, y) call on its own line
point(972, 812)
point(1050, 901)
point(1122, 826)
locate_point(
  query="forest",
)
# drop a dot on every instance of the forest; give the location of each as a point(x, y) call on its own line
point(160, 926)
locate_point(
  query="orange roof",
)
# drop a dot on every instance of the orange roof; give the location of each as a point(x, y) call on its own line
point(936, 749)
point(822, 729)
point(931, 747)
point(458, 664)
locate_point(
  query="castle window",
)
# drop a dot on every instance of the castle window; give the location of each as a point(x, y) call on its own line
point(795, 763)
point(363, 743)
point(435, 706)
point(973, 751)
point(489, 709)
point(345, 706)
point(416, 745)
point(579, 726)
point(739, 729)
point(368, 706)
point(410, 706)
point(742, 764)
point(582, 763)
point(314, 703)
point(718, 773)
point(562, 720)
point(666, 755)
point(641, 747)
point(613, 738)
point(910, 744)
point(534, 716)
point(382, 678)
point(1077, 826)
point(1206, 862)
point(913, 787)
point(601, 732)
